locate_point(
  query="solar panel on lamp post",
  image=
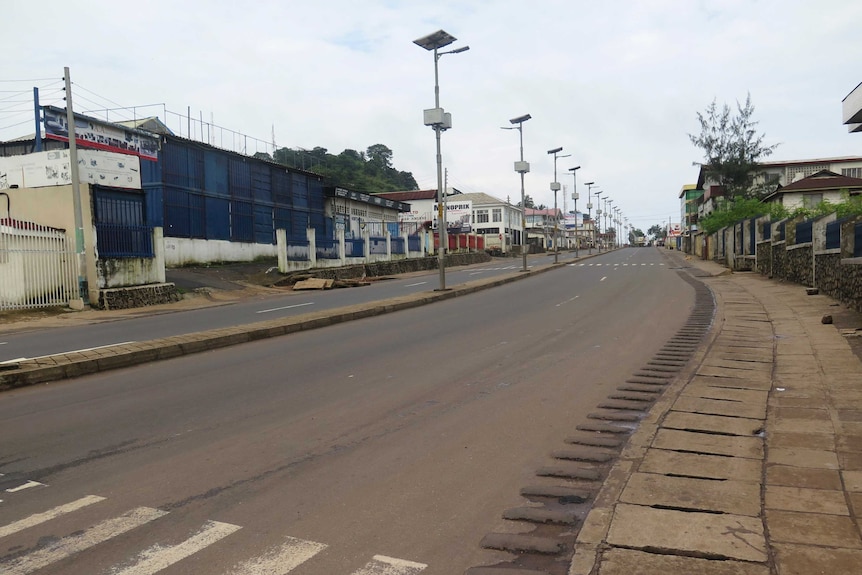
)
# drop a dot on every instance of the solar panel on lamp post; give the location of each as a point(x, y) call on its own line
point(522, 168)
point(439, 120)
point(589, 186)
point(575, 198)
point(555, 187)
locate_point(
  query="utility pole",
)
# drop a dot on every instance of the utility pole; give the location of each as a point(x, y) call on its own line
point(76, 192)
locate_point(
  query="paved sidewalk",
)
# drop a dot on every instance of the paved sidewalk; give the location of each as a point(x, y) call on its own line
point(753, 465)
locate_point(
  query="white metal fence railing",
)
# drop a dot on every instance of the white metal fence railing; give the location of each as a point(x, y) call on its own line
point(38, 266)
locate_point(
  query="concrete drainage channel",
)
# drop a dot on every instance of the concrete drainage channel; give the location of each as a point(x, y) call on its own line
point(581, 467)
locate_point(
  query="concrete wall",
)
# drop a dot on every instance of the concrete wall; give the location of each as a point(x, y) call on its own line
point(124, 272)
point(835, 272)
point(184, 251)
point(793, 200)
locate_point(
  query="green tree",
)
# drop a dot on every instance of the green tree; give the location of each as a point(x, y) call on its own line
point(731, 146)
point(658, 231)
point(528, 201)
point(380, 156)
point(741, 209)
point(370, 171)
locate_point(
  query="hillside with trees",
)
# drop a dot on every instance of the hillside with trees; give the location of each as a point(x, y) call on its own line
point(370, 171)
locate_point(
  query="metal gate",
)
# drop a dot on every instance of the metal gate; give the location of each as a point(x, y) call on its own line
point(38, 266)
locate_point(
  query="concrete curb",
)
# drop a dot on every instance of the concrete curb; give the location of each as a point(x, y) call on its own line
point(592, 537)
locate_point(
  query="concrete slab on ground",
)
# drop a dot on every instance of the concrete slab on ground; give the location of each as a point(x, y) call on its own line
point(678, 532)
point(629, 561)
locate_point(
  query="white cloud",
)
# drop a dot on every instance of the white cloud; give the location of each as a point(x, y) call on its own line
point(616, 83)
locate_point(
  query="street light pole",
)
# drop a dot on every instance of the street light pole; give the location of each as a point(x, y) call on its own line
point(522, 168)
point(589, 186)
point(439, 120)
point(555, 187)
point(575, 198)
point(609, 205)
point(620, 227)
point(600, 197)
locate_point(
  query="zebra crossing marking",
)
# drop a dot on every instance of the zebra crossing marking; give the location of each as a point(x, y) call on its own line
point(158, 557)
point(280, 560)
point(38, 518)
point(383, 565)
point(277, 560)
point(72, 544)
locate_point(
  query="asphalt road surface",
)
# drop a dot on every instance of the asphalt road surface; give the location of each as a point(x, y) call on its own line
point(388, 445)
point(32, 342)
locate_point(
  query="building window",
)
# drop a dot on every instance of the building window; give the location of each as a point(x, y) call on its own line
point(810, 201)
point(481, 216)
point(797, 172)
point(852, 172)
point(497, 214)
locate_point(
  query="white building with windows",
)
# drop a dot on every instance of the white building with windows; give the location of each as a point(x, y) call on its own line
point(809, 192)
point(772, 176)
point(497, 220)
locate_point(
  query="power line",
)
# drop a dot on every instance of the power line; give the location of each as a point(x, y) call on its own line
point(96, 95)
point(31, 80)
point(14, 125)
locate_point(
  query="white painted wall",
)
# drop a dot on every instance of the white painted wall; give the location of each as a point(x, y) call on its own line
point(793, 200)
point(185, 251)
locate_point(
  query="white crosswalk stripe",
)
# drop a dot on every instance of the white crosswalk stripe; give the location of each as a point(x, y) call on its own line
point(382, 565)
point(76, 543)
point(277, 560)
point(158, 557)
point(38, 518)
point(280, 560)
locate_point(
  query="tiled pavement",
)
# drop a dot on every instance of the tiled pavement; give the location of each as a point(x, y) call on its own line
point(753, 465)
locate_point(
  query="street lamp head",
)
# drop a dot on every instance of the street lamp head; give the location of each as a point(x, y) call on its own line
point(458, 50)
point(555, 150)
point(436, 40)
point(589, 183)
point(520, 119)
point(575, 169)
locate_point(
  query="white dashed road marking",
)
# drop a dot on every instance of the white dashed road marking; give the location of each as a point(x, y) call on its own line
point(24, 486)
point(285, 307)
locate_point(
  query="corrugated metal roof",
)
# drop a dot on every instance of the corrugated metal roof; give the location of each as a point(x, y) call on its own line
point(409, 195)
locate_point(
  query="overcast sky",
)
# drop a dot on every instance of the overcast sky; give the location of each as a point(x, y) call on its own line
point(617, 84)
